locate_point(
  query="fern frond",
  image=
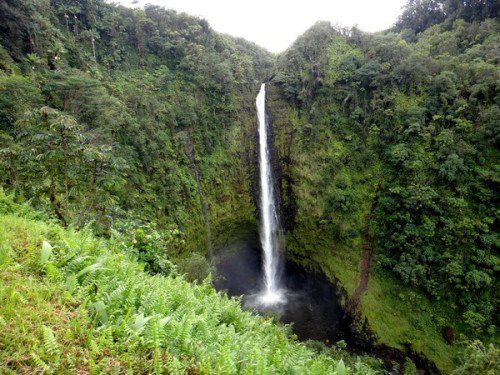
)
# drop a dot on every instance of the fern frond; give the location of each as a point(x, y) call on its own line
point(40, 363)
point(90, 269)
point(157, 362)
point(140, 322)
point(45, 253)
point(49, 342)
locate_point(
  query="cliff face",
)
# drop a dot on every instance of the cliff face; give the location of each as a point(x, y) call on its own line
point(408, 119)
point(283, 139)
point(321, 187)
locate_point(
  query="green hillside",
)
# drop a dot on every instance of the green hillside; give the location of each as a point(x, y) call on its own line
point(71, 302)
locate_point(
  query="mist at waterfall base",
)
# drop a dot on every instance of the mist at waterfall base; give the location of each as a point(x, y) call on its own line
point(309, 301)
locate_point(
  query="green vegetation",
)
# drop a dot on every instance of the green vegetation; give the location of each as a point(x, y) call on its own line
point(480, 360)
point(130, 132)
point(122, 136)
point(423, 137)
point(388, 141)
point(73, 302)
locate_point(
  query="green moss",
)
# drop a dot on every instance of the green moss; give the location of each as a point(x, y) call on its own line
point(399, 314)
point(336, 262)
point(396, 313)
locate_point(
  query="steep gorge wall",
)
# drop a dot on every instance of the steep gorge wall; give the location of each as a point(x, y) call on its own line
point(324, 196)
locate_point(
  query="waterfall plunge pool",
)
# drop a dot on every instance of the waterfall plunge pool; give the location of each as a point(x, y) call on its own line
point(312, 303)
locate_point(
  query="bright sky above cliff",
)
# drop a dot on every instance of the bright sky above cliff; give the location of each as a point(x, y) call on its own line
point(275, 24)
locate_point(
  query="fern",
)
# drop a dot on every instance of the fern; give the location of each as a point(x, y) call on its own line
point(94, 347)
point(153, 334)
point(340, 368)
point(70, 364)
point(100, 310)
point(225, 363)
point(183, 333)
point(157, 362)
point(174, 366)
point(140, 323)
point(89, 269)
point(19, 297)
point(72, 284)
point(40, 363)
point(117, 294)
point(49, 342)
point(45, 253)
point(76, 263)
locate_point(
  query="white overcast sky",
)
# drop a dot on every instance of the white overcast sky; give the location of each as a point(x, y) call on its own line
point(275, 24)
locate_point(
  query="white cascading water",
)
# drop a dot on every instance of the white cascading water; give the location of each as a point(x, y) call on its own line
point(269, 226)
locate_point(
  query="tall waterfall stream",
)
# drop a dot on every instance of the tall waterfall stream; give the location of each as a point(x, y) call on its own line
point(256, 269)
point(270, 233)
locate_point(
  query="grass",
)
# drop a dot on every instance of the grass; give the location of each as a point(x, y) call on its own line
point(74, 303)
point(400, 315)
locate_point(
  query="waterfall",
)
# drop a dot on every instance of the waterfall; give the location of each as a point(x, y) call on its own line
point(269, 224)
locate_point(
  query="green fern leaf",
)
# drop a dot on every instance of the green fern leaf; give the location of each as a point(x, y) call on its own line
point(140, 322)
point(40, 362)
point(45, 253)
point(100, 310)
point(340, 368)
point(90, 269)
point(49, 342)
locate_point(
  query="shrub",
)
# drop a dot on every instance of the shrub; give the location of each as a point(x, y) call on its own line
point(195, 267)
point(479, 359)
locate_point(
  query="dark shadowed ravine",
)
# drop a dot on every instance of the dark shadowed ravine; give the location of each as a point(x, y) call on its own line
point(313, 304)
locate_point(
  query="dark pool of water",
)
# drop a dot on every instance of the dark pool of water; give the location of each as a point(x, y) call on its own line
point(312, 305)
point(312, 302)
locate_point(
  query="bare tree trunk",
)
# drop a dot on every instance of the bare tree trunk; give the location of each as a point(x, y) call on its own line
point(93, 49)
point(55, 203)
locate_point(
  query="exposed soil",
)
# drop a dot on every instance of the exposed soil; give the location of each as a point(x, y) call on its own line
point(365, 268)
point(366, 264)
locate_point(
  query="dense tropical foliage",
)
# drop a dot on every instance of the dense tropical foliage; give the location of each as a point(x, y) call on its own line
point(131, 135)
point(408, 119)
point(128, 107)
